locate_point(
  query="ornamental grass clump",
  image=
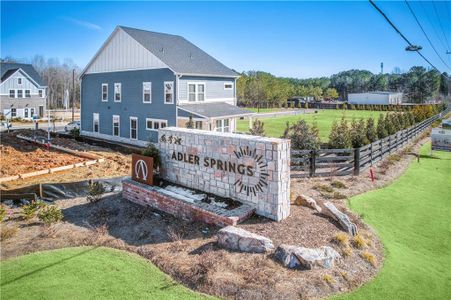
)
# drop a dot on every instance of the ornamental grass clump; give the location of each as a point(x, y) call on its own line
point(369, 257)
point(342, 239)
point(359, 242)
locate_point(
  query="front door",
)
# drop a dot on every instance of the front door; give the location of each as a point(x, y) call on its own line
point(41, 111)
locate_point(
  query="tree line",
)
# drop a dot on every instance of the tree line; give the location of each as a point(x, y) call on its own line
point(256, 88)
point(57, 76)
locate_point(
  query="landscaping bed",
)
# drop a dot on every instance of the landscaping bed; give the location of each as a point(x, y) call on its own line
point(24, 156)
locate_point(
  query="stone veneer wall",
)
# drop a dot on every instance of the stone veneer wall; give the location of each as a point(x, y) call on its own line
point(267, 188)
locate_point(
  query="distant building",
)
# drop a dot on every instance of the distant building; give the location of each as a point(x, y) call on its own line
point(140, 81)
point(377, 98)
point(296, 100)
point(22, 92)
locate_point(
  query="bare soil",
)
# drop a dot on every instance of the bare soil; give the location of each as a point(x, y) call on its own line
point(115, 164)
point(188, 251)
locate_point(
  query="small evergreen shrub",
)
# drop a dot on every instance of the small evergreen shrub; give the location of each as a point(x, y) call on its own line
point(50, 215)
point(339, 137)
point(190, 123)
point(258, 128)
point(323, 188)
point(153, 152)
point(371, 132)
point(29, 211)
point(302, 136)
point(338, 184)
point(95, 192)
point(358, 133)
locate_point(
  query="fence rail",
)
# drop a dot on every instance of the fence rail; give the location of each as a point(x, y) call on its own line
point(341, 162)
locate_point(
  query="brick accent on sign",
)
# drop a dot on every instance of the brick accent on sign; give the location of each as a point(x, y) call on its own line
point(250, 169)
point(170, 203)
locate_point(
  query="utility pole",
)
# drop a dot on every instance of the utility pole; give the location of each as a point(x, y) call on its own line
point(73, 94)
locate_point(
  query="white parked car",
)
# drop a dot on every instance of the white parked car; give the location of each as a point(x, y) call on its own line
point(71, 126)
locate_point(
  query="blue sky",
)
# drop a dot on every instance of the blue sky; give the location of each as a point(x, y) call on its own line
point(297, 39)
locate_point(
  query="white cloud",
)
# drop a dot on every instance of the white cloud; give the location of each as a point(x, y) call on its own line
point(83, 23)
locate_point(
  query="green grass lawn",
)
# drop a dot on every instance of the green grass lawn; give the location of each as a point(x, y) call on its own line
point(274, 127)
point(413, 218)
point(87, 273)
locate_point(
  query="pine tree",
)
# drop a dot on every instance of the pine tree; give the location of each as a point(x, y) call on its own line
point(257, 128)
point(381, 130)
point(358, 133)
point(339, 137)
point(371, 132)
point(302, 136)
point(389, 126)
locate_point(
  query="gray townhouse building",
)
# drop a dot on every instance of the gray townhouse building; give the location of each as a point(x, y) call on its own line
point(22, 91)
point(140, 81)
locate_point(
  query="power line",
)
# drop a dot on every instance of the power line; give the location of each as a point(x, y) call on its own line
point(440, 23)
point(433, 27)
point(403, 36)
point(422, 29)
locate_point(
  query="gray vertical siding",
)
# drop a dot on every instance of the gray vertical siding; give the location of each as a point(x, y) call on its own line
point(131, 104)
point(214, 87)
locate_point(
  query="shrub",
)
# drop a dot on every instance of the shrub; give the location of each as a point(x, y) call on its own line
point(346, 251)
point(153, 152)
point(401, 120)
point(338, 195)
point(369, 257)
point(50, 214)
point(2, 212)
point(358, 134)
point(338, 184)
point(388, 124)
point(395, 122)
point(339, 137)
point(7, 232)
point(359, 242)
point(323, 188)
point(302, 136)
point(257, 128)
point(75, 132)
point(29, 211)
point(95, 191)
point(190, 123)
point(371, 132)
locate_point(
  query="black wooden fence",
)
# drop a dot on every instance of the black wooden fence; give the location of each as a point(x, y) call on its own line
point(341, 162)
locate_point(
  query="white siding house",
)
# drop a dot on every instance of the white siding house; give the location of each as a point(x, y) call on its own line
point(377, 98)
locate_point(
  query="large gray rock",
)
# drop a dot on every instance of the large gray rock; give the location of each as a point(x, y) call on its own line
point(235, 238)
point(330, 210)
point(294, 257)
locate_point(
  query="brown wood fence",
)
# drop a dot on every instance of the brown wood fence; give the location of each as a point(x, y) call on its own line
point(341, 162)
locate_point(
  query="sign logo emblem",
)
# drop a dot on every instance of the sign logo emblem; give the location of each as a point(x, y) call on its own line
point(141, 168)
point(261, 171)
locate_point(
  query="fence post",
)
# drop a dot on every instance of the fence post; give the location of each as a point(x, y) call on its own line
point(312, 163)
point(389, 144)
point(356, 161)
point(371, 153)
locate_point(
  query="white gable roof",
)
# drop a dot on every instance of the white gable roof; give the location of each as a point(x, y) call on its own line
point(121, 52)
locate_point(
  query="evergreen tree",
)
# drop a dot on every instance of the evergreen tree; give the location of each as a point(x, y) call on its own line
point(371, 132)
point(388, 123)
point(302, 136)
point(381, 130)
point(358, 133)
point(339, 137)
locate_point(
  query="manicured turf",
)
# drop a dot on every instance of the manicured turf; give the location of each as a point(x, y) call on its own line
point(87, 273)
point(274, 127)
point(413, 218)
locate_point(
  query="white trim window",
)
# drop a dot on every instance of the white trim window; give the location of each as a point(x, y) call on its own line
point(228, 86)
point(95, 122)
point(31, 112)
point(19, 93)
point(25, 113)
point(223, 125)
point(19, 80)
point(117, 92)
point(41, 93)
point(198, 125)
point(196, 92)
point(116, 125)
point(133, 128)
point(27, 93)
point(147, 92)
point(13, 112)
point(104, 92)
point(169, 92)
point(12, 93)
point(155, 124)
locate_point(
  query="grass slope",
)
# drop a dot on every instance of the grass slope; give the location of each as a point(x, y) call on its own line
point(274, 127)
point(87, 273)
point(412, 217)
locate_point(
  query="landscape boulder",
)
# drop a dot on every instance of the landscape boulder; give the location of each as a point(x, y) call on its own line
point(330, 210)
point(235, 238)
point(294, 257)
point(304, 200)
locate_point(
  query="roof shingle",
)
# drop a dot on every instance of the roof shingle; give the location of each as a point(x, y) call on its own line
point(7, 69)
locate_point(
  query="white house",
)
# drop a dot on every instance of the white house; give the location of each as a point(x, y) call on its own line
point(377, 98)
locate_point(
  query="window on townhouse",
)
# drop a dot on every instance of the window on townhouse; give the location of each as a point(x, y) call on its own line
point(41, 93)
point(19, 93)
point(155, 124)
point(25, 113)
point(198, 124)
point(95, 122)
point(168, 92)
point(116, 125)
point(13, 113)
point(117, 92)
point(133, 128)
point(31, 112)
point(12, 93)
point(27, 93)
point(147, 92)
point(19, 80)
point(196, 92)
point(223, 125)
point(104, 92)
point(228, 86)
